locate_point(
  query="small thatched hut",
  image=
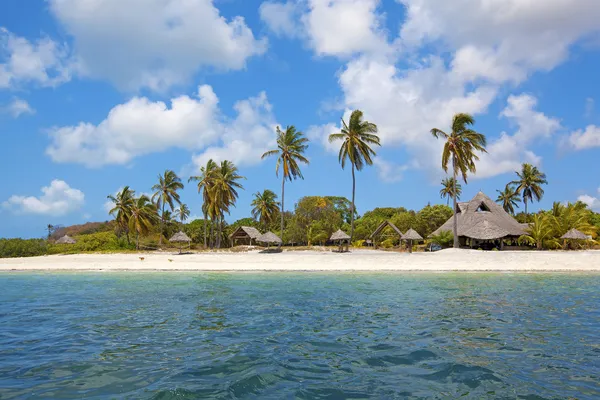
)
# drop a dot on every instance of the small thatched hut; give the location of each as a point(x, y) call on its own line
point(411, 235)
point(180, 237)
point(244, 234)
point(381, 228)
point(340, 236)
point(66, 240)
point(482, 220)
point(574, 234)
point(269, 238)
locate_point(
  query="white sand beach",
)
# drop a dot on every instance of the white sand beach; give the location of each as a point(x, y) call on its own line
point(358, 260)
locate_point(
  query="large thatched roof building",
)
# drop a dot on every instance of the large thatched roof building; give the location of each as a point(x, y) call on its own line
point(481, 220)
point(244, 234)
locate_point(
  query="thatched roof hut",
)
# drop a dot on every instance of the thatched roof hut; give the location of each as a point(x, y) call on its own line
point(180, 237)
point(384, 225)
point(244, 233)
point(411, 234)
point(269, 238)
point(482, 219)
point(339, 235)
point(575, 235)
point(66, 240)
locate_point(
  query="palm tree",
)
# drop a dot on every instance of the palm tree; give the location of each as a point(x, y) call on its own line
point(447, 191)
point(540, 231)
point(123, 202)
point(183, 212)
point(291, 145)
point(265, 206)
point(165, 192)
point(460, 147)
point(143, 217)
point(205, 181)
point(509, 199)
point(530, 183)
point(357, 136)
point(50, 228)
point(223, 193)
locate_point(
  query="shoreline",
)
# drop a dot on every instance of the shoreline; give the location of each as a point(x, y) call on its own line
point(449, 260)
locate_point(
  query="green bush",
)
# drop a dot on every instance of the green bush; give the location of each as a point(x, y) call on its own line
point(387, 244)
point(358, 243)
point(444, 239)
point(10, 248)
point(102, 241)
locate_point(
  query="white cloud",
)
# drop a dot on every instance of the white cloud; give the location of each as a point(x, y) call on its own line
point(281, 18)
point(508, 152)
point(389, 172)
point(337, 28)
point(19, 107)
point(140, 127)
point(583, 139)
point(56, 200)
point(592, 202)
point(501, 40)
point(43, 62)
point(154, 43)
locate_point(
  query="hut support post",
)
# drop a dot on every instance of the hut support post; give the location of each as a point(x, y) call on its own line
point(501, 244)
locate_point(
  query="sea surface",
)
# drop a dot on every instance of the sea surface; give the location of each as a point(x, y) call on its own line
point(187, 335)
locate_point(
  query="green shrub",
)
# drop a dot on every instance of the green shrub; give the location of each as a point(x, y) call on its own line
point(358, 243)
point(387, 244)
point(102, 241)
point(10, 248)
point(444, 239)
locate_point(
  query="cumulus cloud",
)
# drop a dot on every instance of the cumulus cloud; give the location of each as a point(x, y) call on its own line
point(592, 202)
point(56, 200)
point(141, 126)
point(281, 18)
point(19, 107)
point(43, 62)
point(337, 28)
point(583, 139)
point(389, 172)
point(508, 152)
point(154, 44)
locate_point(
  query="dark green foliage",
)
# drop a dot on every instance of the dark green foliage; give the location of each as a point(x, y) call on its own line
point(102, 241)
point(444, 239)
point(10, 248)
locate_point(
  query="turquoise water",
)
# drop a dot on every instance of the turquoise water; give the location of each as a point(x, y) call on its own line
point(299, 336)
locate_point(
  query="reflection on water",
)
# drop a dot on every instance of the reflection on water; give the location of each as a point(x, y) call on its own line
point(304, 336)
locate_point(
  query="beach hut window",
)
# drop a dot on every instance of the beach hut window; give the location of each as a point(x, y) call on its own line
point(482, 208)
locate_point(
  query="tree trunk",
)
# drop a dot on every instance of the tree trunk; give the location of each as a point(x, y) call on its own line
point(219, 226)
point(352, 206)
point(137, 241)
point(455, 219)
point(526, 214)
point(210, 239)
point(282, 206)
point(205, 228)
point(448, 201)
point(162, 224)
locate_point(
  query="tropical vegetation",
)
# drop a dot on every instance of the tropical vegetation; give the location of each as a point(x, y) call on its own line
point(460, 150)
point(529, 184)
point(165, 193)
point(449, 185)
point(357, 136)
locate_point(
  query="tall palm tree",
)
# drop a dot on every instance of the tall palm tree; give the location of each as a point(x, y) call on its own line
point(540, 232)
point(123, 202)
point(223, 193)
point(291, 145)
point(530, 183)
point(357, 135)
point(265, 206)
point(447, 190)
point(183, 212)
point(205, 182)
point(165, 192)
point(460, 147)
point(509, 198)
point(143, 217)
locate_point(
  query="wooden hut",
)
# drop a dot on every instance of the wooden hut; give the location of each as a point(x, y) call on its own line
point(269, 238)
point(340, 237)
point(381, 228)
point(245, 234)
point(481, 220)
point(411, 235)
point(66, 240)
point(180, 237)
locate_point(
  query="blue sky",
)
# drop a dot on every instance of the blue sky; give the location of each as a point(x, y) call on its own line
point(99, 94)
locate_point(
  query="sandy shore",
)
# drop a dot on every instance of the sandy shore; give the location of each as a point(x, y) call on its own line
point(360, 260)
